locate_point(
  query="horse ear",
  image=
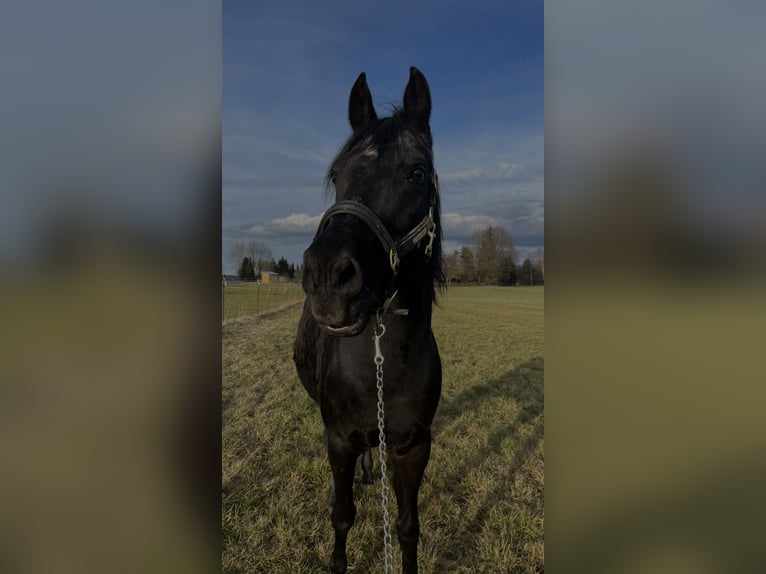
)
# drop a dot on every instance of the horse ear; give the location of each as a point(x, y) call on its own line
point(360, 109)
point(417, 100)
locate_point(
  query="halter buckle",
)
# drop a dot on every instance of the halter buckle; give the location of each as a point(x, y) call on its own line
point(431, 232)
point(393, 259)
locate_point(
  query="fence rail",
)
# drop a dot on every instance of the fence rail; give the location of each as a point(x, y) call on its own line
point(246, 299)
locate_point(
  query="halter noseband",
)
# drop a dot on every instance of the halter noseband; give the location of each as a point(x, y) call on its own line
point(395, 249)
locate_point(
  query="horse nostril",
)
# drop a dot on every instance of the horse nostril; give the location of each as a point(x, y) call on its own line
point(347, 275)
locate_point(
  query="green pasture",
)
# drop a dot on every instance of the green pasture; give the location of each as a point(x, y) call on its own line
point(481, 503)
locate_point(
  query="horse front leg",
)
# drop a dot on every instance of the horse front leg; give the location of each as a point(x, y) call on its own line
point(367, 477)
point(408, 474)
point(342, 462)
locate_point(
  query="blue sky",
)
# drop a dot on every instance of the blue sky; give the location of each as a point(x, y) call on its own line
point(288, 68)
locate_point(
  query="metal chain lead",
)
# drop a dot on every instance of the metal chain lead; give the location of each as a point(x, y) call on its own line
point(378, 332)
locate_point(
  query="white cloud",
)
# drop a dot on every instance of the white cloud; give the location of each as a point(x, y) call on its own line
point(293, 224)
point(466, 225)
point(514, 172)
point(449, 246)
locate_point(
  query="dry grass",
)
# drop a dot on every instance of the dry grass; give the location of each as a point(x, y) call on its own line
point(242, 300)
point(481, 503)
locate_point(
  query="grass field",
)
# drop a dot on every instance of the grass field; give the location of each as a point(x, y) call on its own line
point(248, 299)
point(481, 503)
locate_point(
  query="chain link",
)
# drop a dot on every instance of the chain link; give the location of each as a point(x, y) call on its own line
point(378, 332)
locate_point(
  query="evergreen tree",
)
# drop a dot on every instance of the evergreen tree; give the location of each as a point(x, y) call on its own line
point(526, 272)
point(508, 274)
point(246, 269)
point(282, 267)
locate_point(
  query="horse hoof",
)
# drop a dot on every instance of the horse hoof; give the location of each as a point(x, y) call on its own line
point(338, 567)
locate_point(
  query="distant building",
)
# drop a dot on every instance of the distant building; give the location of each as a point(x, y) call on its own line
point(269, 277)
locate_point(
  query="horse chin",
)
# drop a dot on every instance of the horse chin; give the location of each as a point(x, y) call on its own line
point(346, 330)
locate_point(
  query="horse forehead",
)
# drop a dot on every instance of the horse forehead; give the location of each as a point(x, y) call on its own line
point(369, 150)
point(387, 151)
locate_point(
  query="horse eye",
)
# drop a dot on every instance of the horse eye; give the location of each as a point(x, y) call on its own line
point(417, 175)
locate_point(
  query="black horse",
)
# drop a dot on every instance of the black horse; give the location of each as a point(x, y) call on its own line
point(376, 260)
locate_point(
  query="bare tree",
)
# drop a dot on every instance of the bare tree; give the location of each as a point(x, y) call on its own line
point(237, 254)
point(505, 244)
point(259, 254)
point(487, 262)
point(452, 266)
point(494, 253)
point(467, 265)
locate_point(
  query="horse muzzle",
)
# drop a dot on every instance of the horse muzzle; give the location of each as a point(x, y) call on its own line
point(338, 318)
point(333, 283)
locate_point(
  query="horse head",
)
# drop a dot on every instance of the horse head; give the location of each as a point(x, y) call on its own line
point(384, 224)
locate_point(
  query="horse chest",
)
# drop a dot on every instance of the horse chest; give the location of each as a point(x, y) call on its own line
point(347, 381)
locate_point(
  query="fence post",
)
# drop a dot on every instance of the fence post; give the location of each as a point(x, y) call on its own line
point(257, 298)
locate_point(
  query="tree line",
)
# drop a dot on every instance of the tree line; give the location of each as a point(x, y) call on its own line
point(492, 260)
point(254, 258)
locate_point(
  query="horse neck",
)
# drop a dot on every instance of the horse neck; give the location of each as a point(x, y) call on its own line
point(416, 294)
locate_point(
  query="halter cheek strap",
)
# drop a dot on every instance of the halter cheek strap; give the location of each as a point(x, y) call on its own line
point(395, 249)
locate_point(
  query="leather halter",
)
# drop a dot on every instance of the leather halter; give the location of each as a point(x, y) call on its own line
point(395, 249)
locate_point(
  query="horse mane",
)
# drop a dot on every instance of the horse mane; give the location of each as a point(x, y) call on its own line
point(437, 257)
